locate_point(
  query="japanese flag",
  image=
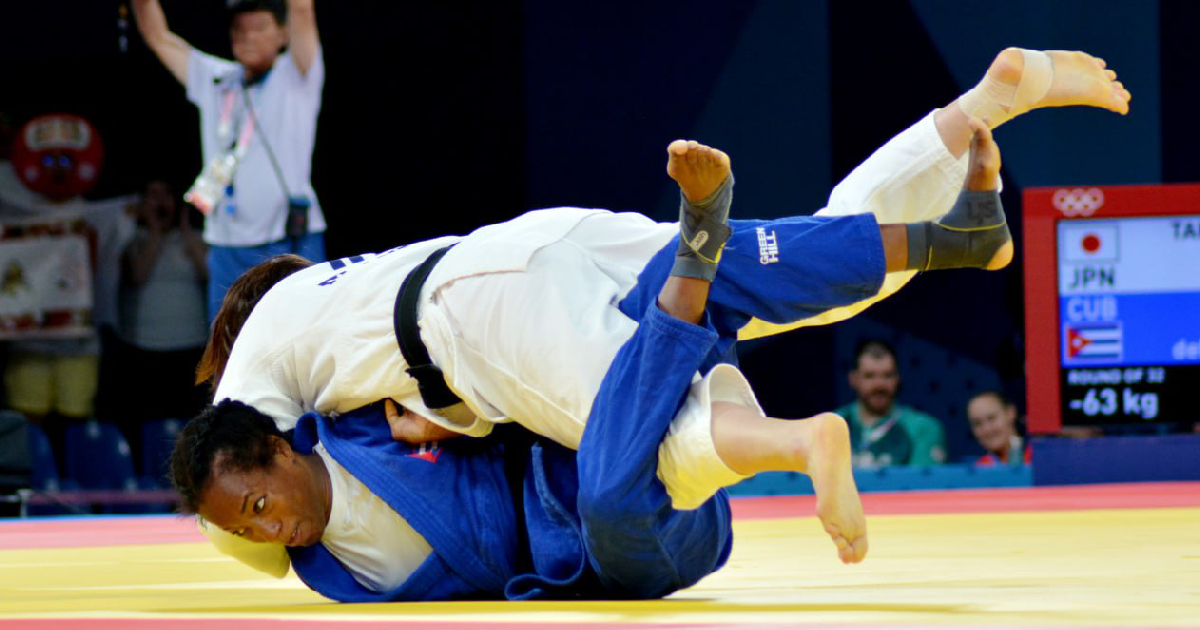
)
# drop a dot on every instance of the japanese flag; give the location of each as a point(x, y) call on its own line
point(1085, 242)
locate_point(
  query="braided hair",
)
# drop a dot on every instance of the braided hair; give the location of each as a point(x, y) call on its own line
point(237, 433)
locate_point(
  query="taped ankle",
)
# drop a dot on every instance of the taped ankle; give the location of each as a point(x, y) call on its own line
point(1000, 102)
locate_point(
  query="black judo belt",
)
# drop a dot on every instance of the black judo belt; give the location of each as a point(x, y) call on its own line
point(430, 380)
point(437, 395)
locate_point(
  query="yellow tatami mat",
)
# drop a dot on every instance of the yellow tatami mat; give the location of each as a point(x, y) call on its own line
point(1034, 562)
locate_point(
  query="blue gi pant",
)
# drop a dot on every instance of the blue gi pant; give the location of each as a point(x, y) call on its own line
point(778, 271)
point(637, 544)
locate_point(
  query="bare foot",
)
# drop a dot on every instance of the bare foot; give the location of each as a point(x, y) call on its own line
point(838, 504)
point(1077, 79)
point(697, 168)
point(1019, 81)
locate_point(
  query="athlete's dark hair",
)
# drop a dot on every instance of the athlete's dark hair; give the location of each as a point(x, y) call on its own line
point(238, 433)
point(239, 301)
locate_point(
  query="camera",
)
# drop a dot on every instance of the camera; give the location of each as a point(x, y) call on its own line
point(297, 217)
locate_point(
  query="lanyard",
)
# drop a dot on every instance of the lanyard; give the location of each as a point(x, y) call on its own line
point(225, 125)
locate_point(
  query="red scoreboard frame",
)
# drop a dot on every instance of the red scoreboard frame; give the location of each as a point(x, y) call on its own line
point(1042, 209)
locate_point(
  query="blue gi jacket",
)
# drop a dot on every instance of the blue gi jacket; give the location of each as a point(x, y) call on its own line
point(457, 496)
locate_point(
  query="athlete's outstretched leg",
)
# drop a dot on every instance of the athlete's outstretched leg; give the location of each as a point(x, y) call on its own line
point(750, 443)
point(970, 232)
point(917, 175)
point(776, 273)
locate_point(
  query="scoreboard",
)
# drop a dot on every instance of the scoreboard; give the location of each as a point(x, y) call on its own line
point(1112, 305)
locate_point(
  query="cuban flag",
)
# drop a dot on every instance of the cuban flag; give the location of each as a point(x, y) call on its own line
point(427, 451)
point(1093, 341)
point(1089, 241)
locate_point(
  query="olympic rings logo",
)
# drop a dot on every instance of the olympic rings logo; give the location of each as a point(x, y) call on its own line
point(1078, 202)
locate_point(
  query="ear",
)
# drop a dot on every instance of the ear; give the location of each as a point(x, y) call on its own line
point(282, 448)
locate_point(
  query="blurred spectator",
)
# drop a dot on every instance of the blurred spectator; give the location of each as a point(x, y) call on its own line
point(258, 119)
point(884, 432)
point(993, 421)
point(163, 317)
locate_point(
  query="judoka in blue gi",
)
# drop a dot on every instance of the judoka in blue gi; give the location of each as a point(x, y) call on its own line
point(519, 516)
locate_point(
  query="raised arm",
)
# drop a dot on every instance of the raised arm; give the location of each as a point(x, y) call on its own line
point(171, 49)
point(302, 33)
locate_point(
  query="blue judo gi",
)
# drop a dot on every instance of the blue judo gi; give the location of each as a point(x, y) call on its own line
point(518, 516)
point(593, 524)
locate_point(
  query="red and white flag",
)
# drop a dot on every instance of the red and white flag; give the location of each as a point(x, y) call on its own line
point(1086, 242)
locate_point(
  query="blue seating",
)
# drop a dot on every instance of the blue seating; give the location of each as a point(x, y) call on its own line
point(27, 451)
point(158, 438)
point(39, 460)
point(45, 467)
point(98, 458)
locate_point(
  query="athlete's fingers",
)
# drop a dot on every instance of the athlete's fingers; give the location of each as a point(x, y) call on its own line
point(429, 431)
point(395, 420)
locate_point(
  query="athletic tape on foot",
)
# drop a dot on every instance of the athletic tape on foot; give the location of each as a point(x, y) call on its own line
point(1000, 102)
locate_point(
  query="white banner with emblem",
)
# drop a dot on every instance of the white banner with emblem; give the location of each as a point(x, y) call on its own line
point(45, 277)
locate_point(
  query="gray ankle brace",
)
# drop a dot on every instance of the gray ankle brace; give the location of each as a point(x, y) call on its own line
point(966, 236)
point(704, 230)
